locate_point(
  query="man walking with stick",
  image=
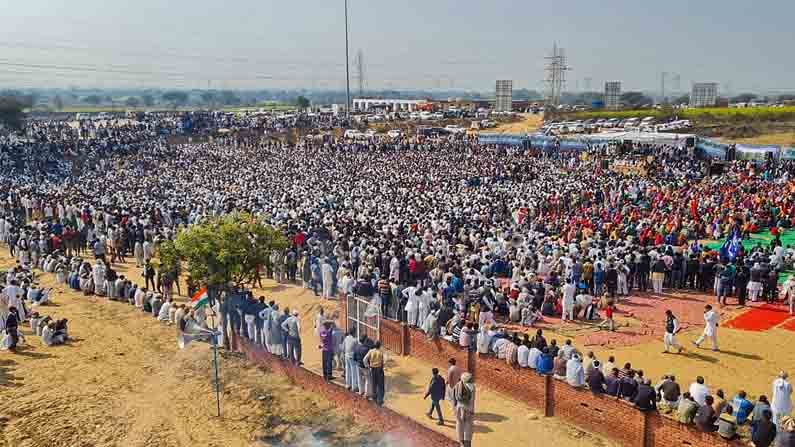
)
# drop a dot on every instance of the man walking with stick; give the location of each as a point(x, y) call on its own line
point(671, 329)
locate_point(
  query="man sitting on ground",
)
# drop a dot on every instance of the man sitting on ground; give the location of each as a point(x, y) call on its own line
point(705, 416)
point(687, 409)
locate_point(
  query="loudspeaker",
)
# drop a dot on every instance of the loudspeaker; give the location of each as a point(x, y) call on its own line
point(605, 164)
point(690, 142)
point(716, 168)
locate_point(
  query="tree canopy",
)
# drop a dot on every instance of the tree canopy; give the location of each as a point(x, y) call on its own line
point(635, 100)
point(302, 102)
point(228, 249)
point(176, 98)
point(11, 112)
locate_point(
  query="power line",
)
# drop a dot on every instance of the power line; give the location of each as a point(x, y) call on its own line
point(556, 75)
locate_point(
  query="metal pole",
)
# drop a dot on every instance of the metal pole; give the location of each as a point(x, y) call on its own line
point(347, 68)
point(217, 380)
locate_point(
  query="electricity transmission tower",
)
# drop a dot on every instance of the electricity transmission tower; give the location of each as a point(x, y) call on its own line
point(359, 64)
point(556, 75)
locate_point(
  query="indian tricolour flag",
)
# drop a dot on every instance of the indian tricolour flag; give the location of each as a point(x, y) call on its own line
point(200, 298)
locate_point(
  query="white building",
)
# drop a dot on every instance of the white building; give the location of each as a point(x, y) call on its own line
point(612, 95)
point(704, 94)
point(396, 105)
point(504, 96)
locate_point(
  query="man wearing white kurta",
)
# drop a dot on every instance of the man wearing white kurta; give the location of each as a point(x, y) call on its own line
point(788, 291)
point(568, 300)
point(711, 319)
point(412, 304)
point(14, 295)
point(781, 404)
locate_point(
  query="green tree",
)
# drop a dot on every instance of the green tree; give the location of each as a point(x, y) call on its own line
point(148, 100)
point(302, 102)
point(92, 99)
point(169, 257)
point(229, 98)
point(227, 251)
point(11, 112)
point(684, 99)
point(132, 101)
point(745, 97)
point(57, 102)
point(176, 98)
point(208, 97)
point(634, 100)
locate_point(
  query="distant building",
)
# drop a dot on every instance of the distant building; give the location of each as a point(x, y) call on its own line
point(504, 96)
point(390, 105)
point(704, 94)
point(612, 95)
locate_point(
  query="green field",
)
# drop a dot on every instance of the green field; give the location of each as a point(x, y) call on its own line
point(705, 114)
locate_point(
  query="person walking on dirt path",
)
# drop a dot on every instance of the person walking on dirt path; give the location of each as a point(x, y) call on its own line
point(671, 329)
point(464, 397)
point(436, 391)
point(711, 318)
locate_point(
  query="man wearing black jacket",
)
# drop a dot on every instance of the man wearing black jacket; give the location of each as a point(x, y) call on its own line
point(436, 389)
point(365, 387)
point(12, 325)
point(645, 397)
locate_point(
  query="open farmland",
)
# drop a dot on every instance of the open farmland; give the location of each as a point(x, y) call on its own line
point(753, 125)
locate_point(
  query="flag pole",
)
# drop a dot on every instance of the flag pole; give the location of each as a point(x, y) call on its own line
point(217, 379)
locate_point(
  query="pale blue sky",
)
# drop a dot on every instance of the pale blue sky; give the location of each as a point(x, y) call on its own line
point(424, 44)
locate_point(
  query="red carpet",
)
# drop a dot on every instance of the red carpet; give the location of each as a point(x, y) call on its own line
point(789, 325)
point(759, 318)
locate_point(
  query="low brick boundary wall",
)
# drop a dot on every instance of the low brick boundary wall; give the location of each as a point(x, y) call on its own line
point(382, 419)
point(604, 415)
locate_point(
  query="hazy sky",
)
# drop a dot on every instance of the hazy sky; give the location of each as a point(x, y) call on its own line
point(426, 44)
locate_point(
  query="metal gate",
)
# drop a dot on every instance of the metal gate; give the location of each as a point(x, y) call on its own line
point(362, 321)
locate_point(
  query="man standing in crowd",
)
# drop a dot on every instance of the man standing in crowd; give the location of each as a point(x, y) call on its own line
point(351, 366)
point(359, 353)
point(292, 329)
point(782, 398)
point(327, 349)
point(374, 362)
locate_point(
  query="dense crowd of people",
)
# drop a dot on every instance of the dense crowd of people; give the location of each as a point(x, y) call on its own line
point(442, 233)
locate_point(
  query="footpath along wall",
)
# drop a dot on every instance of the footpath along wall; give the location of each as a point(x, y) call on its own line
point(614, 419)
point(385, 420)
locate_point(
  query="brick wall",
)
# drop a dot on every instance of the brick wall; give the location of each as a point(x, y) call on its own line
point(436, 352)
point(606, 416)
point(665, 432)
point(383, 420)
point(523, 385)
point(599, 414)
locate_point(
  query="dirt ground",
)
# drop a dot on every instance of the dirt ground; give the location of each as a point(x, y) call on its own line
point(779, 138)
point(528, 123)
point(747, 360)
point(122, 381)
